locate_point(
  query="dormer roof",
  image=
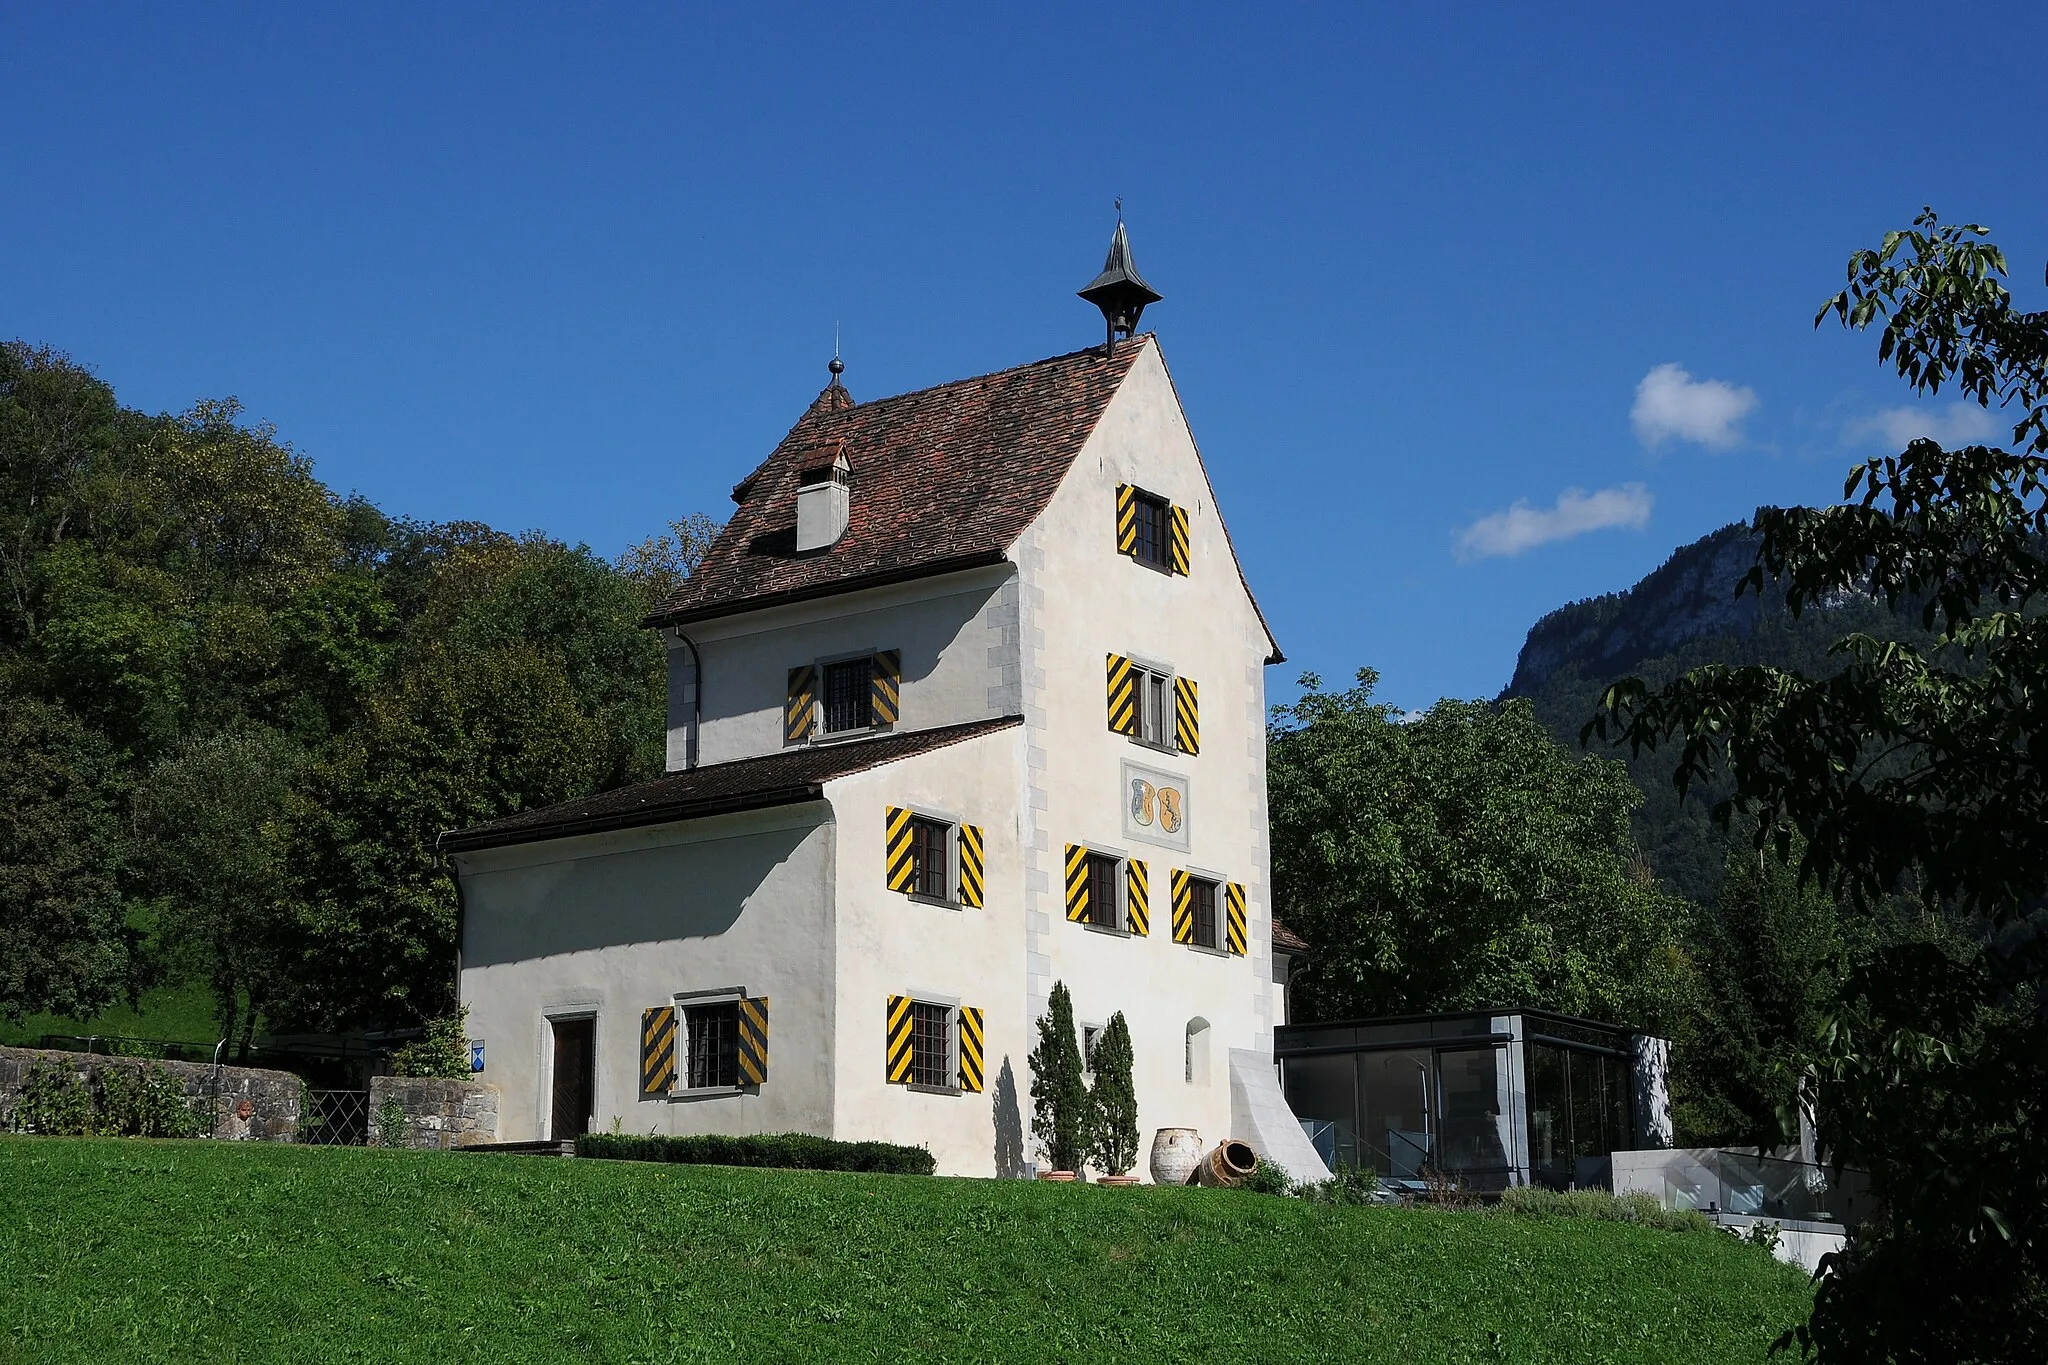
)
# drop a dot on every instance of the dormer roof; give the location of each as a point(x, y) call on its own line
point(942, 479)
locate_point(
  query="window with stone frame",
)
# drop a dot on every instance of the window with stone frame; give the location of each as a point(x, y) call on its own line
point(849, 695)
point(931, 1044)
point(1202, 895)
point(1105, 884)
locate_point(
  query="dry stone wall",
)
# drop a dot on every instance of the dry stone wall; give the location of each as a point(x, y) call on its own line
point(439, 1113)
point(248, 1104)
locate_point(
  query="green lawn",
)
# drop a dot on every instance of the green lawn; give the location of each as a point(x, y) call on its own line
point(186, 1013)
point(128, 1250)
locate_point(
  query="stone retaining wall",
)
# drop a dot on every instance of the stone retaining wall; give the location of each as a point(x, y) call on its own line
point(249, 1104)
point(439, 1114)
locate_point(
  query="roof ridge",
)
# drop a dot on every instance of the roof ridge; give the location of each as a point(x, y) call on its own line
point(965, 380)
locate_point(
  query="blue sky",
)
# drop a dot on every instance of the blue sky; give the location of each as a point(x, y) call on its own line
point(1475, 310)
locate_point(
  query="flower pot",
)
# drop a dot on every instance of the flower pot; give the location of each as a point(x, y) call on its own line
point(1060, 1176)
point(1175, 1154)
point(1118, 1180)
point(1229, 1166)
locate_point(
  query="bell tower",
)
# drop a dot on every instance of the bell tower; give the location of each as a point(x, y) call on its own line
point(1119, 291)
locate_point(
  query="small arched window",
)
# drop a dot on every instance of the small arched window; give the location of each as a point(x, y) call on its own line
point(1197, 1055)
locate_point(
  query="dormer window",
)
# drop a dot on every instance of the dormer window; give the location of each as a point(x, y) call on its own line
point(823, 505)
point(839, 697)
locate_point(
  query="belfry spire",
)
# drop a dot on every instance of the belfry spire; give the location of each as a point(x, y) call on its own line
point(1119, 291)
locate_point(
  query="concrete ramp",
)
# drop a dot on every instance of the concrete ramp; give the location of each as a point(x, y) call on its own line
point(1260, 1117)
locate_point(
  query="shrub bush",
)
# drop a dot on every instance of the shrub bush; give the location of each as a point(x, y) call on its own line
point(782, 1151)
point(443, 1050)
point(114, 1101)
point(1266, 1178)
point(1350, 1185)
point(1533, 1201)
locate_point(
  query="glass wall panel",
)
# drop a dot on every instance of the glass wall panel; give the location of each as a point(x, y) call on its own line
point(1326, 1089)
point(1473, 1125)
point(1550, 1122)
point(1394, 1090)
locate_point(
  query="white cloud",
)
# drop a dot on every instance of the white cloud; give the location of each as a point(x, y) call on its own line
point(1958, 424)
point(1670, 402)
point(1522, 527)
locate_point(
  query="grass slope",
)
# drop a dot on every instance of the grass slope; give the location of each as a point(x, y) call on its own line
point(185, 1013)
point(131, 1250)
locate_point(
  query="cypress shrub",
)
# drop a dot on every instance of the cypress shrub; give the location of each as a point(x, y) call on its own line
point(1061, 1112)
point(780, 1151)
point(1114, 1100)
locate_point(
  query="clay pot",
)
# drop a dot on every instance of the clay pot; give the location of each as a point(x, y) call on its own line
point(1175, 1154)
point(1227, 1167)
point(1059, 1176)
point(1117, 1180)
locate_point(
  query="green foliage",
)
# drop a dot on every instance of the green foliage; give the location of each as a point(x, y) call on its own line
point(1267, 1178)
point(442, 1051)
point(658, 565)
point(1462, 860)
point(1534, 1201)
point(1917, 773)
point(779, 1151)
point(65, 944)
point(1353, 1186)
point(377, 1255)
point(57, 1100)
point(391, 1123)
point(188, 615)
point(1114, 1100)
point(210, 847)
point(1061, 1113)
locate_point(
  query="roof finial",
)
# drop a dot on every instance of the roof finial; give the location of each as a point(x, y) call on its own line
point(1119, 291)
point(838, 366)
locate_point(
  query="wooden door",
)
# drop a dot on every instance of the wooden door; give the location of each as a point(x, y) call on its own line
point(575, 1090)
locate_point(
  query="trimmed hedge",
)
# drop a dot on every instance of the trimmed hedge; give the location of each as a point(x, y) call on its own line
point(783, 1151)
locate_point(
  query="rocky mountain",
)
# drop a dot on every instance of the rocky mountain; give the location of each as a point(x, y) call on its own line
point(1681, 615)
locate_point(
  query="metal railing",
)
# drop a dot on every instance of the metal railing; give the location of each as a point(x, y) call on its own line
point(1718, 1180)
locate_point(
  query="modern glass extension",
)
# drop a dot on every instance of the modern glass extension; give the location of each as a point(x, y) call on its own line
point(1492, 1099)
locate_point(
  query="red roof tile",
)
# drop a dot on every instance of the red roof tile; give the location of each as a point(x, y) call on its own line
point(942, 479)
point(1286, 940)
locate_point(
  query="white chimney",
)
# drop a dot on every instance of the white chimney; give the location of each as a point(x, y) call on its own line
point(823, 506)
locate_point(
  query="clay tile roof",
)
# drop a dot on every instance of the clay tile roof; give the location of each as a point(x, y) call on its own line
point(1286, 940)
point(717, 788)
point(941, 479)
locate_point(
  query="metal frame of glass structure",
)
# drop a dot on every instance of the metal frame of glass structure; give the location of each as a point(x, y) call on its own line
point(1494, 1099)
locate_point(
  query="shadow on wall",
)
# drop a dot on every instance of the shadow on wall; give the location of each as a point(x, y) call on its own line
point(642, 895)
point(1009, 1126)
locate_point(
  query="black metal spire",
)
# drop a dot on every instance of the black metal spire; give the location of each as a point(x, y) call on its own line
point(1119, 291)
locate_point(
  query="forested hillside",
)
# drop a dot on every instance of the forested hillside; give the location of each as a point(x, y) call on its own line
point(236, 709)
point(1680, 616)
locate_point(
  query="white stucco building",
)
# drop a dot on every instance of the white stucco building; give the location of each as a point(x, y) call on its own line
point(966, 699)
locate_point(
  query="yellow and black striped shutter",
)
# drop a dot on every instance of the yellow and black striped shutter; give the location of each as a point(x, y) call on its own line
point(898, 1039)
point(899, 868)
point(797, 704)
point(754, 1040)
point(1138, 896)
point(970, 1049)
point(1077, 882)
point(1233, 917)
point(1123, 696)
point(1187, 716)
point(657, 1050)
point(973, 866)
point(1126, 519)
point(1177, 539)
point(1183, 907)
point(888, 685)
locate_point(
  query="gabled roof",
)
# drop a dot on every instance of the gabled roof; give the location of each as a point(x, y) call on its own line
point(942, 479)
point(782, 779)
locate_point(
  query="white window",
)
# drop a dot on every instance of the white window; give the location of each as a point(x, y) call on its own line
point(1155, 705)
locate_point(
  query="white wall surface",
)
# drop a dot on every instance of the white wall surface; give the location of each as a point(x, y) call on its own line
point(1081, 601)
point(892, 944)
point(957, 634)
point(611, 924)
